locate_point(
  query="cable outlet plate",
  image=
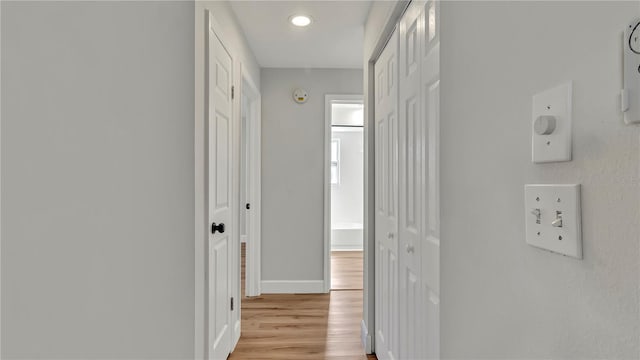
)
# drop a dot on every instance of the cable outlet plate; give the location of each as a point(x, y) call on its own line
point(544, 206)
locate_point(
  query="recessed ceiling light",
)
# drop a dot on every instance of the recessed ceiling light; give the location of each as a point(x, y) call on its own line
point(300, 20)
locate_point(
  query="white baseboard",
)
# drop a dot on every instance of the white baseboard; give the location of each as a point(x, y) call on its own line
point(346, 247)
point(365, 338)
point(292, 286)
point(236, 334)
point(346, 239)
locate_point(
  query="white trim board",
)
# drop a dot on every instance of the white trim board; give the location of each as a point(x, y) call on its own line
point(346, 247)
point(292, 286)
point(0, 198)
point(365, 337)
point(347, 239)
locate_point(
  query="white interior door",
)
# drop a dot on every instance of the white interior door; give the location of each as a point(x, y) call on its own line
point(250, 206)
point(219, 124)
point(386, 195)
point(408, 194)
point(430, 86)
point(245, 168)
point(411, 142)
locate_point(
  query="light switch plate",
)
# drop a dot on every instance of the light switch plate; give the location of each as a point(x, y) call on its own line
point(552, 202)
point(556, 146)
point(630, 96)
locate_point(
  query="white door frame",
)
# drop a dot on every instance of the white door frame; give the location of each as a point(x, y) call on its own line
point(0, 194)
point(254, 194)
point(328, 100)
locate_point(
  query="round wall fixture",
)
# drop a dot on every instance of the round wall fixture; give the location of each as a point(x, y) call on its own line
point(300, 96)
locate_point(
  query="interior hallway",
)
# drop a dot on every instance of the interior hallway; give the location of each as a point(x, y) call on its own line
point(305, 326)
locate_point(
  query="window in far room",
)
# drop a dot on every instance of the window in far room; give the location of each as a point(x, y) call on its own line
point(335, 161)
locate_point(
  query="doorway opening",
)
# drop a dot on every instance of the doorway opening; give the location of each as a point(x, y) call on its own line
point(345, 191)
point(249, 216)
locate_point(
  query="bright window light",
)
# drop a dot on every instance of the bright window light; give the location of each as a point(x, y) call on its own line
point(335, 161)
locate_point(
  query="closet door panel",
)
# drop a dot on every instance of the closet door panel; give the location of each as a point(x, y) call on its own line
point(386, 190)
point(411, 162)
point(407, 125)
point(430, 84)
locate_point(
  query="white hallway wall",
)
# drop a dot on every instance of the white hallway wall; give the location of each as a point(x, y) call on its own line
point(97, 180)
point(293, 169)
point(500, 297)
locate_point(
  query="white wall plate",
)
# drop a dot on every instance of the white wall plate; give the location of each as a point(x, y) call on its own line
point(544, 206)
point(630, 96)
point(555, 145)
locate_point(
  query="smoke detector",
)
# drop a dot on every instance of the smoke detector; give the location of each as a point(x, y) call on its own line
point(300, 96)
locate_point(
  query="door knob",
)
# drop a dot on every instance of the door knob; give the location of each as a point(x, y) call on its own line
point(217, 228)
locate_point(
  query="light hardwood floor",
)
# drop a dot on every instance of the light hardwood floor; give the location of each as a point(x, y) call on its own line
point(301, 326)
point(346, 270)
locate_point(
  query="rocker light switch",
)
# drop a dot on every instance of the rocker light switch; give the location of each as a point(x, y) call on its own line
point(552, 218)
point(551, 125)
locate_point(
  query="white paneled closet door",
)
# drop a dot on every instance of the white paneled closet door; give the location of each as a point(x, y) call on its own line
point(408, 188)
point(386, 195)
point(430, 87)
point(411, 178)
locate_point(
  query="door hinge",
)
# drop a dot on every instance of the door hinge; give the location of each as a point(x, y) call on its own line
point(233, 92)
point(232, 304)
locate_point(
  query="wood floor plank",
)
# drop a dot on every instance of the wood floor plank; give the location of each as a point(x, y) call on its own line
point(304, 326)
point(346, 270)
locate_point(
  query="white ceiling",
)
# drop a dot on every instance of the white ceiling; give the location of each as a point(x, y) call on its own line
point(333, 40)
